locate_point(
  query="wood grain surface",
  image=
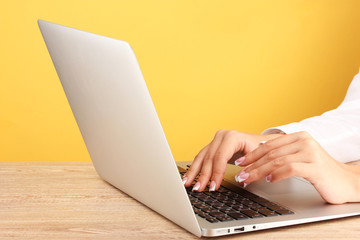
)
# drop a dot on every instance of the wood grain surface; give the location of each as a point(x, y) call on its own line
point(70, 201)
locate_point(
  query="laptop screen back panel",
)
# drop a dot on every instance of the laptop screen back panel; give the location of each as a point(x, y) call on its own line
point(117, 119)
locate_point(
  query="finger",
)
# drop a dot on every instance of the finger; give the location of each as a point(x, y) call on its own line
point(268, 146)
point(274, 157)
point(268, 168)
point(298, 169)
point(235, 157)
point(226, 150)
point(195, 168)
point(207, 166)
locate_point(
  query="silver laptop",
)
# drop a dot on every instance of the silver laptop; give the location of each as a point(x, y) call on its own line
point(123, 134)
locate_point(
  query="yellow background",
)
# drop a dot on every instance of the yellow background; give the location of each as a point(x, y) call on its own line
point(209, 65)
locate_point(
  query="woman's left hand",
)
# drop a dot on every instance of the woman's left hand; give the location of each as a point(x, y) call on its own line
point(298, 154)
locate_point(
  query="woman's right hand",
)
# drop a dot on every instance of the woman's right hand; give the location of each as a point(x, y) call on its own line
point(227, 146)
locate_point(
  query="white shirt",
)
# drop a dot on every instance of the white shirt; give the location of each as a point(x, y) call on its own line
point(338, 130)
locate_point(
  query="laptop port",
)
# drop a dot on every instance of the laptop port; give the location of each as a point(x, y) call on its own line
point(239, 229)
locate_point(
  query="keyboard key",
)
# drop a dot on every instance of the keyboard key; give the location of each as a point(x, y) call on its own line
point(275, 207)
point(230, 202)
point(208, 209)
point(215, 202)
point(258, 208)
point(226, 209)
point(207, 193)
point(202, 214)
point(222, 198)
point(211, 219)
point(268, 213)
point(237, 215)
point(247, 202)
point(268, 204)
point(251, 213)
point(217, 214)
point(259, 199)
point(210, 201)
point(233, 195)
point(239, 198)
point(227, 193)
point(222, 189)
point(214, 194)
point(249, 195)
point(225, 218)
point(192, 198)
point(240, 207)
point(218, 204)
point(255, 205)
point(284, 212)
point(201, 205)
point(197, 194)
point(204, 198)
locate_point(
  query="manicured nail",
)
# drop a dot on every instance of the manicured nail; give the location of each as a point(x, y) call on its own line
point(239, 161)
point(184, 180)
point(245, 184)
point(268, 178)
point(242, 176)
point(196, 187)
point(212, 186)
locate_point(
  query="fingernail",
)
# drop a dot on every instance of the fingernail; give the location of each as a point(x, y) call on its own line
point(184, 180)
point(245, 184)
point(212, 186)
point(262, 142)
point(268, 178)
point(242, 176)
point(196, 187)
point(239, 161)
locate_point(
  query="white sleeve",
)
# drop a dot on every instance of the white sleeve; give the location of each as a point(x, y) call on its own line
point(338, 130)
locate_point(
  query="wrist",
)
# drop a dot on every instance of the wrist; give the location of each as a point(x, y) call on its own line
point(356, 186)
point(353, 175)
point(354, 168)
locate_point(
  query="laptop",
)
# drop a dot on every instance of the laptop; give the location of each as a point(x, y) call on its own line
point(124, 137)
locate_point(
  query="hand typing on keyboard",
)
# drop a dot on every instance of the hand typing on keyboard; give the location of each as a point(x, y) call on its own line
point(211, 161)
point(298, 154)
point(281, 156)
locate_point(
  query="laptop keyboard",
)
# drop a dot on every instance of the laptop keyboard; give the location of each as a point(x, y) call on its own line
point(228, 205)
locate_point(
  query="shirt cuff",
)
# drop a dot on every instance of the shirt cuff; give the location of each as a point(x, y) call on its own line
point(285, 129)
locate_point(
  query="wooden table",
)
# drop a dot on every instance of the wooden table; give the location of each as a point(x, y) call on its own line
point(70, 201)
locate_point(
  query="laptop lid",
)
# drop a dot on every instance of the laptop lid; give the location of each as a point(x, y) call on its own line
point(117, 119)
